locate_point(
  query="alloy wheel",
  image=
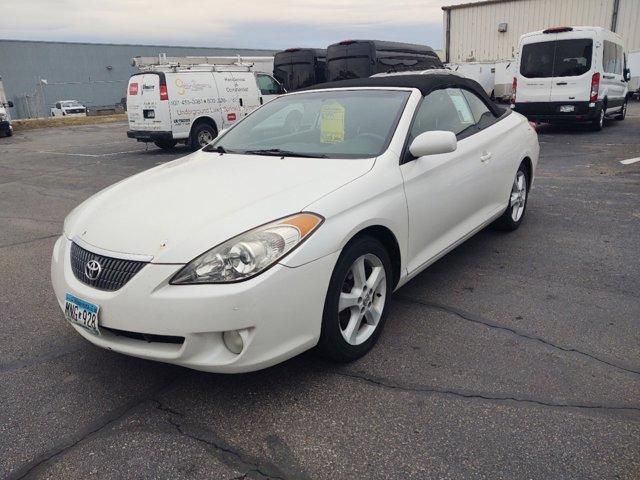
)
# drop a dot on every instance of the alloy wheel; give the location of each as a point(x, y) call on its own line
point(362, 299)
point(518, 196)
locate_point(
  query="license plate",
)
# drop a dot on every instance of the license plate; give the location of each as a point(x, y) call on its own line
point(82, 313)
point(567, 108)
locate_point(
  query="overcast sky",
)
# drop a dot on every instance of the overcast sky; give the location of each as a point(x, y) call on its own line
point(224, 23)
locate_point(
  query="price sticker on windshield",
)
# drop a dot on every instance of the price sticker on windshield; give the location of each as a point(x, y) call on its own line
point(332, 123)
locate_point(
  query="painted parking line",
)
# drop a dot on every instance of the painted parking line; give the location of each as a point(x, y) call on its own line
point(630, 161)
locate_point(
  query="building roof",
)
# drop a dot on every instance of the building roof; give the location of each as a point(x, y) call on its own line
point(475, 4)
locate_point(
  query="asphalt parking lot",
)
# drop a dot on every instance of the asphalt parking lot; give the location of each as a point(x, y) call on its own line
point(516, 356)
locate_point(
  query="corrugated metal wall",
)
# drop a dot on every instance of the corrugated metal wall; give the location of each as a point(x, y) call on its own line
point(474, 32)
point(78, 71)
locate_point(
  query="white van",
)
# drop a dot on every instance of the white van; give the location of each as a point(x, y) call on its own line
point(68, 108)
point(191, 104)
point(482, 72)
point(571, 74)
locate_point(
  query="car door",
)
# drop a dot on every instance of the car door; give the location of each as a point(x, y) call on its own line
point(269, 87)
point(497, 156)
point(443, 192)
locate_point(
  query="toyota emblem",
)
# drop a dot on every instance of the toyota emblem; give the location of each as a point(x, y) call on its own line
point(92, 270)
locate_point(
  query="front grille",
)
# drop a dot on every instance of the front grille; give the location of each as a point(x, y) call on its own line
point(115, 272)
point(146, 337)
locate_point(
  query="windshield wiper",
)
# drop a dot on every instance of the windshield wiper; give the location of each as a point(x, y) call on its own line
point(219, 149)
point(276, 152)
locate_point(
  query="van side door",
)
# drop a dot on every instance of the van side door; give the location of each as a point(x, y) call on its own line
point(613, 83)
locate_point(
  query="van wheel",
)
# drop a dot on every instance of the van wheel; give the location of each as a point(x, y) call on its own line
point(202, 135)
point(356, 303)
point(165, 144)
point(623, 113)
point(598, 123)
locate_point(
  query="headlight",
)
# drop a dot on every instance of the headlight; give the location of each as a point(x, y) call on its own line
point(249, 253)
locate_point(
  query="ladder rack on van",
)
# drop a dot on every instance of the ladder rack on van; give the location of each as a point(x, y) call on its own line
point(164, 63)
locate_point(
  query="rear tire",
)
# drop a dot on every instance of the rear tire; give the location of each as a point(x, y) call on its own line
point(355, 307)
point(165, 144)
point(514, 214)
point(201, 135)
point(598, 123)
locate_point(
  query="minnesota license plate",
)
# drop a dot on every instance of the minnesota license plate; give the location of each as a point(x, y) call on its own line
point(82, 313)
point(567, 108)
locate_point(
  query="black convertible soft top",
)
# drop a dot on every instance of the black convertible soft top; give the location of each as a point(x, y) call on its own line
point(426, 83)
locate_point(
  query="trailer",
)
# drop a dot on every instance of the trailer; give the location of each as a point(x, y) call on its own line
point(505, 70)
point(633, 63)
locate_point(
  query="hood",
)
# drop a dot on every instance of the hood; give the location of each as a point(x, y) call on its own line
point(178, 210)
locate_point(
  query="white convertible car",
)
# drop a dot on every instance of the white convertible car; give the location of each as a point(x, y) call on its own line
point(291, 231)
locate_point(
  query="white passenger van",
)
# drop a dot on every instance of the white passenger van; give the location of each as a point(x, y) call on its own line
point(189, 101)
point(571, 74)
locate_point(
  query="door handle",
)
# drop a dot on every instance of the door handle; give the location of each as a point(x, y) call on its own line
point(241, 103)
point(608, 77)
point(561, 83)
point(485, 157)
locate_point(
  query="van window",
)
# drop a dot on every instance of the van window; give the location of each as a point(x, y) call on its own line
point(612, 58)
point(560, 58)
point(268, 85)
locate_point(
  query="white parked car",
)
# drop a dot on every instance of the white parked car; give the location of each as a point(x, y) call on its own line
point(281, 236)
point(571, 74)
point(68, 108)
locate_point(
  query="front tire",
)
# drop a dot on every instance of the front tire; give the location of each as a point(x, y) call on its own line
point(623, 112)
point(165, 144)
point(514, 214)
point(356, 303)
point(202, 135)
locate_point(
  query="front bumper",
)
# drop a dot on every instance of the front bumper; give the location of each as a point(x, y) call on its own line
point(279, 313)
point(550, 111)
point(147, 136)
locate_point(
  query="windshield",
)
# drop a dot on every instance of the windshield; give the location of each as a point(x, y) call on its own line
point(331, 124)
point(71, 103)
point(561, 58)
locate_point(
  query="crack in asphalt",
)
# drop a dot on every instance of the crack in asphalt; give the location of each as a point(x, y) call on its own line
point(488, 323)
point(22, 242)
point(19, 364)
point(392, 385)
point(92, 428)
point(227, 454)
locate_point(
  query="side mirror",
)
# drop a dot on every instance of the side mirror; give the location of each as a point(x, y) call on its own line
point(433, 143)
point(9, 104)
point(627, 75)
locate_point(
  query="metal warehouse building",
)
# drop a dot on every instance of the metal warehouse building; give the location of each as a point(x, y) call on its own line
point(490, 30)
point(94, 74)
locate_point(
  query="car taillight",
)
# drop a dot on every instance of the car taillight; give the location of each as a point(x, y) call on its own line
point(133, 89)
point(164, 95)
point(514, 89)
point(595, 87)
